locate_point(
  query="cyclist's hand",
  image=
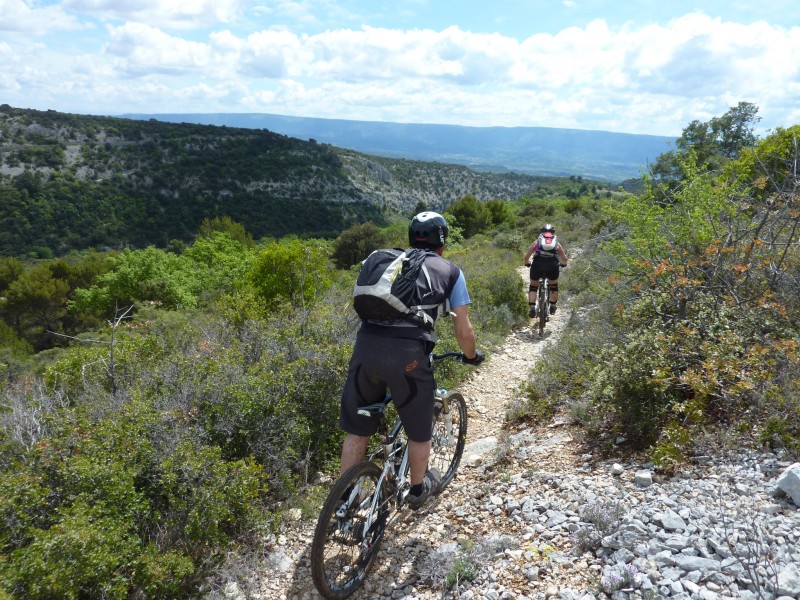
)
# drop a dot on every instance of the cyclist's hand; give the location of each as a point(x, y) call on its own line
point(479, 358)
point(527, 264)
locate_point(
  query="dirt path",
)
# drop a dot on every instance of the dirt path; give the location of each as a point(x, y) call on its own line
point(404, 569)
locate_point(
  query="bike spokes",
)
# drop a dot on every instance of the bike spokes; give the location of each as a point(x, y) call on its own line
point(349, 532)
point(449, 437)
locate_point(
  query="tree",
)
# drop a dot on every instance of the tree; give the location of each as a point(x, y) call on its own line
point(500, 212)
point(149, 275)
point(226, 225)
point(420, 207)
point(291, 271)
point(10, 270)
point(713, 143)
point(733, 131)
point(224, 259)
point(470, 215)
point(34, 304)
point(356, 243)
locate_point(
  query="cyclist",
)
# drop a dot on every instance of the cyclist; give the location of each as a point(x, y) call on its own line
point(544, 257)
point(396, 355)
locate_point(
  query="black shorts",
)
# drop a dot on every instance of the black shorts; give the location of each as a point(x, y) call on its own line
point(401, 365)
point(544, 266)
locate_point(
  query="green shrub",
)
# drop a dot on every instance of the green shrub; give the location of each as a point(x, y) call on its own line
point(84, 554)
point(290, 271)
point(780, 413)
point(672, 447)
point(119, 506)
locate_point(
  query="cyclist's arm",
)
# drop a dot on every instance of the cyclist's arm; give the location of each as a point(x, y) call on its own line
point(562, 255)
point(459, 304)
point(529, 253)
point(465, 334)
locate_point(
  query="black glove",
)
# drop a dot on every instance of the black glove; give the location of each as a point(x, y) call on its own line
point(527, 264)
point(479, 358)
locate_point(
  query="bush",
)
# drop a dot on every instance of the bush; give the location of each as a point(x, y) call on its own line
point(119, 506)
point(355, 244)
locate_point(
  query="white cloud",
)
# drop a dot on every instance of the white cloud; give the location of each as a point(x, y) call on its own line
point(144, 50)
point(19, 16)
point(645, 79)
point(451, 55)
point(171, 14)
point(273, 54)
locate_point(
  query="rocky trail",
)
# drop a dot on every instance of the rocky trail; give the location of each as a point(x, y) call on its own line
point(532, 515)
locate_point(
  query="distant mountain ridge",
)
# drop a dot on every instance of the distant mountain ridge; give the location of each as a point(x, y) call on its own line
point(599, 155)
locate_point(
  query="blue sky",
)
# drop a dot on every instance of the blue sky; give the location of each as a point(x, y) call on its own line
point(636, 66)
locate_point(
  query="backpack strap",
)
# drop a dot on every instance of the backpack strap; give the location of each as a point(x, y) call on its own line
point(418, 312)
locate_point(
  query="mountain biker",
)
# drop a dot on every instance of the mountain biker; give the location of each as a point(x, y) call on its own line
point(545, 262)
point(396, 355)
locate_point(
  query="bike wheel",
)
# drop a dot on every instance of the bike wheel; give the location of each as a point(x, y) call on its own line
point(449, 437)
point(342, 553)
point(542, 311)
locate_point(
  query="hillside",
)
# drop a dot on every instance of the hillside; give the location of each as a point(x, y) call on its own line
point(600, 155)
point(74, 181)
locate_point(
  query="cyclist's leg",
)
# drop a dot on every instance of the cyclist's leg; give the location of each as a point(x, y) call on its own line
point(354, 449)
point(533, 288)
point(553, 287)
point(552, 274)
point(363, 386)
point(418, 454)
point(412, 384)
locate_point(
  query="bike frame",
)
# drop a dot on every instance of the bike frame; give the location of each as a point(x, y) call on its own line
point(394, 470)
point(543, 296)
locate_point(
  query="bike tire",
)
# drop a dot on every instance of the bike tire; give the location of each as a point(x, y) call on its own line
point(543, 308)
point(341, 556)
point(446, 450)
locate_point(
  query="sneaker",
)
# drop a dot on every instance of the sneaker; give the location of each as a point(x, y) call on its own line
point(553, 308)
point(532, 311)
point(431, 485)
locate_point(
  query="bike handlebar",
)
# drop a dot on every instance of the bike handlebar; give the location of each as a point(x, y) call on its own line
point(459, 357)
point(454, 355)
point(563, 266)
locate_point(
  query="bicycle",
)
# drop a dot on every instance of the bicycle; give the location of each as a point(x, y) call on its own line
point(355, 515)
point(542, 304)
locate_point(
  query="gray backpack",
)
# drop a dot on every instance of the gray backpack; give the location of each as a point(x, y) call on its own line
point(386, 288)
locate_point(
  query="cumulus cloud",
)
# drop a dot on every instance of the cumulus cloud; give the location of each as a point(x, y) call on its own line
point(144, 50)
point(172, 14)
point(272, 54)
point(647, 79)
point(19, 16)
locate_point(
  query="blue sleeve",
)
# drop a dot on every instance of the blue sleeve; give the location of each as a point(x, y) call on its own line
point(460, 296)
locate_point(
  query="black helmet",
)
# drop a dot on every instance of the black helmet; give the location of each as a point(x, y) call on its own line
point(427, 230)
point(548, 228)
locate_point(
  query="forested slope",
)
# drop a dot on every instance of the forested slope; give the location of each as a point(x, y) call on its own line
point(74, 181)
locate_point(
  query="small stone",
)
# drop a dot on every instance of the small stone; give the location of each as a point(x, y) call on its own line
point(789, 482)
point(643, 478)
point(789, 581)
point(671, 521)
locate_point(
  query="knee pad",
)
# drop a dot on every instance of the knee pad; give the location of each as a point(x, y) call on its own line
point(553, 287)
point(533, 288)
